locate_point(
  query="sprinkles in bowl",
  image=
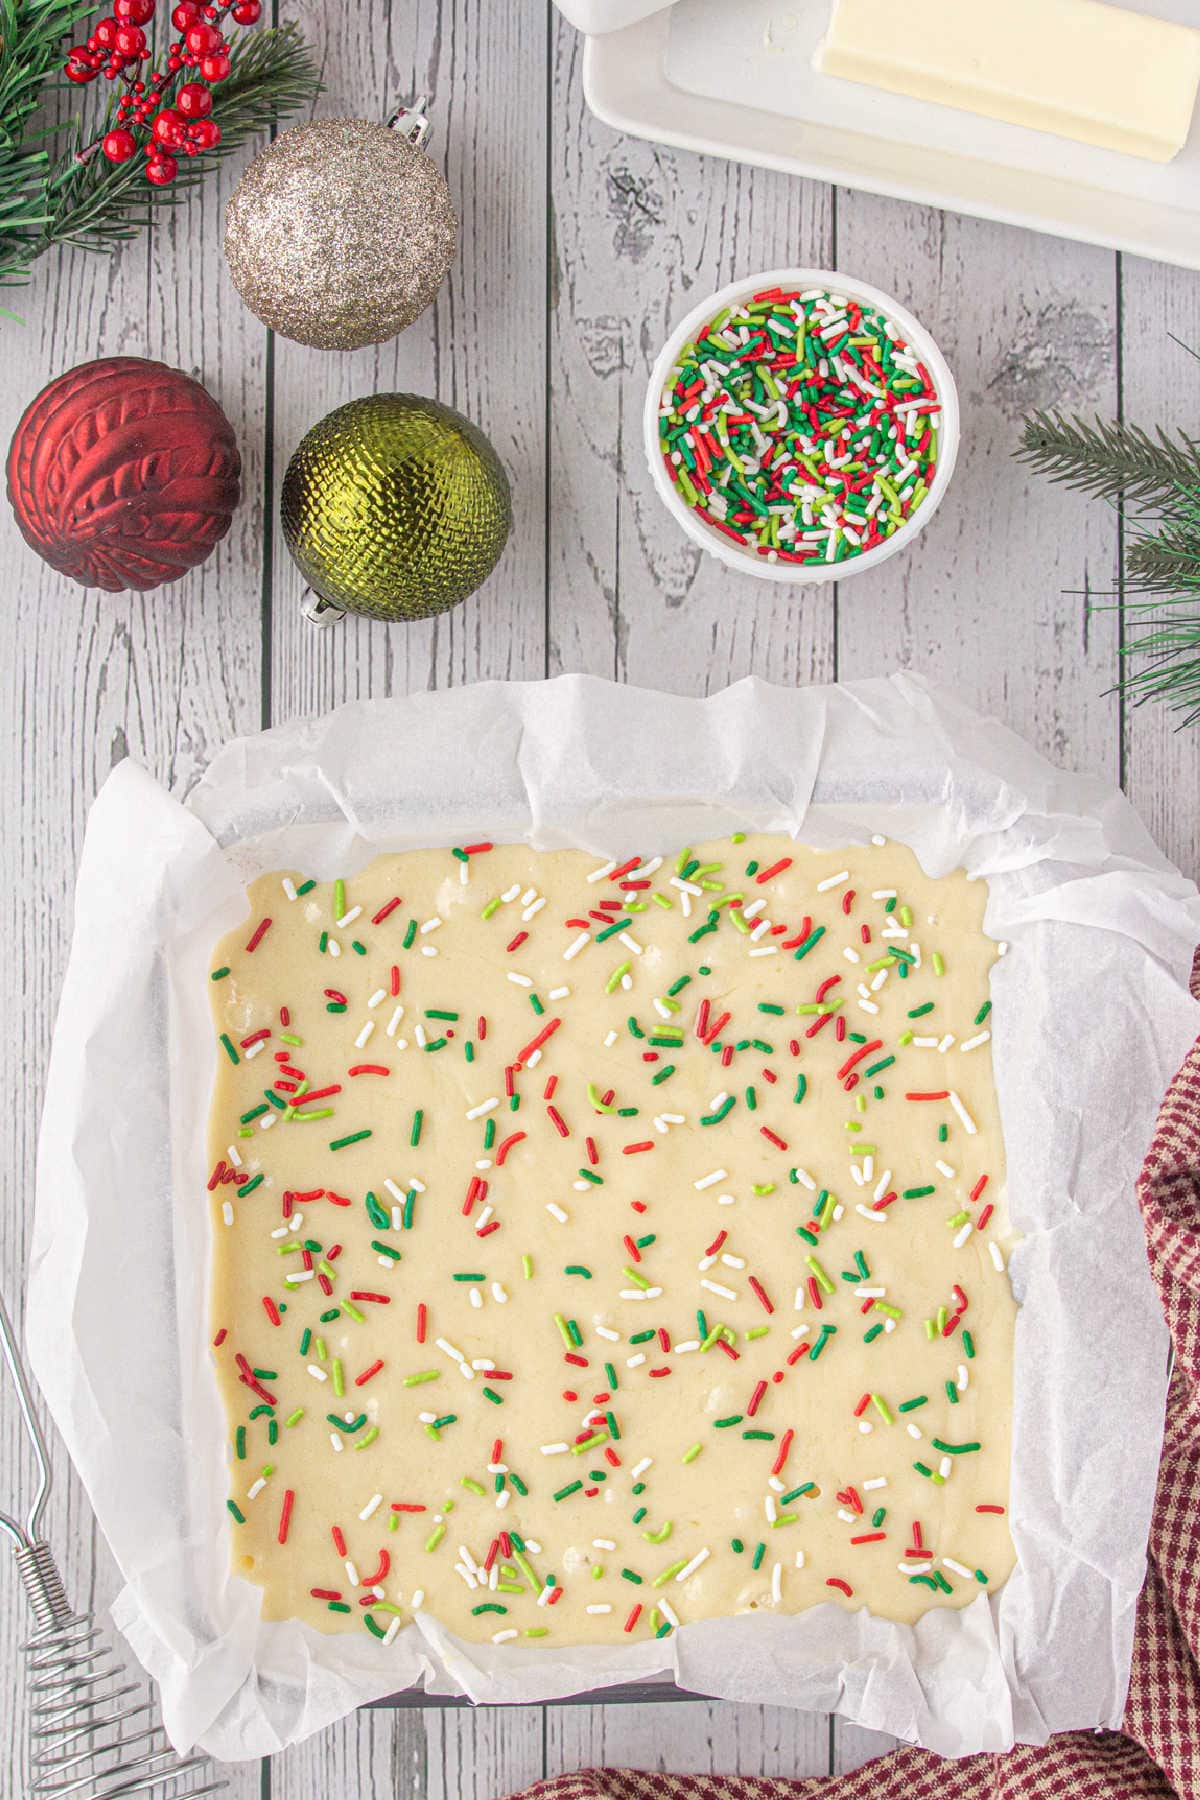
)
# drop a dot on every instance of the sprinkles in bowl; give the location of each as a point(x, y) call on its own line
point(802, 425)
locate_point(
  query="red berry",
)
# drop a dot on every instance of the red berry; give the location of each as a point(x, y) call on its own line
point(203, 40)
point(194, 100)
point(119, 146)
point(185, 14)
point(130, 41)
point(104, 34)
point(215, 68)
point(133, 12)
point(79, 65)
point(247, 12)
point(205, 134)
point(168, 127)
point(161, 170)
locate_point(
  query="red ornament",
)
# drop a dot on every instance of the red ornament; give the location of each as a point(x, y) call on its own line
point(123, 473)
point(194, 100)
point(119, 145)
point(133, 12)
point(215, 68)
point(161, 170)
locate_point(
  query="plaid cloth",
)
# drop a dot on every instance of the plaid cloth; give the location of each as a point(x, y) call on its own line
point(1156, 1755)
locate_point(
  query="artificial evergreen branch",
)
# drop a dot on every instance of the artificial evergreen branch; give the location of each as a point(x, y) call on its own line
point(83, 199)
point(1108, 458)
point(31, 56)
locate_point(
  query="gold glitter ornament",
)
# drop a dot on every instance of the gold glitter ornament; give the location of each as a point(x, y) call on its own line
point(340, 233)
point(396, 507)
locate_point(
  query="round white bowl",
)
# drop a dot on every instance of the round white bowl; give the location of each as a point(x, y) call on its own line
point(724, 549)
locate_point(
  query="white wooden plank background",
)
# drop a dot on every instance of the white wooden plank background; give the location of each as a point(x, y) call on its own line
point(579, 248)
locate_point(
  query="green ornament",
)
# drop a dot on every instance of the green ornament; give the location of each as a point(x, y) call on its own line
point(396, 507)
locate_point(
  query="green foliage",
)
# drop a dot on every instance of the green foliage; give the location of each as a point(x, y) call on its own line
point(1158, 474)
point(52, 191)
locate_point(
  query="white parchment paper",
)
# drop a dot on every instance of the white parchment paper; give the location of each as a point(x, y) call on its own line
point(1092, 1019)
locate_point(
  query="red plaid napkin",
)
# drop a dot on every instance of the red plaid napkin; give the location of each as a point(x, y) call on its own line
point(1156, 1755)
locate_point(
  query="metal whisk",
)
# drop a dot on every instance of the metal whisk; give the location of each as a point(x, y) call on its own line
point(95, 1733)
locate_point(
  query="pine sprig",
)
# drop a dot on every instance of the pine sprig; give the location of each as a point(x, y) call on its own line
point(97, 204)
point(32, 34)
point(82, 199)
point(1109, 458)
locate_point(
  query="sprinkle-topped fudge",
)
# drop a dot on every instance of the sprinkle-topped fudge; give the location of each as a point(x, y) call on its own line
point(601, 1246)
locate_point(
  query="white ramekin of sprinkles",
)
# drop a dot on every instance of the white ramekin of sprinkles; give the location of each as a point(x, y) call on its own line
point(801, 425)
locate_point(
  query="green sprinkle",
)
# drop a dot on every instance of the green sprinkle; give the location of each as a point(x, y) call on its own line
point(689, 1456)
point(953, 1449)
point(355, 1137)
point(220, 974)
point(236, 1511)
point(227, 1044)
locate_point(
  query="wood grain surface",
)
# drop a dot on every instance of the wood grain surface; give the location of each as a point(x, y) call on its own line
point(579, 248)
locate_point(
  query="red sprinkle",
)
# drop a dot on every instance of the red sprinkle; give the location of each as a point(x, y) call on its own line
point(870, 1537)
point(389, 906)
point(837, 1582)
point(362, 1380)
point(979, 1187)
point(285, 1515)
point(422, 1317)
point(272, 1311)
point(260, 932)
point(503, 1149)
point(368, 1069)
point(761, 1295)
point(634, 1616)
point(990, 1509)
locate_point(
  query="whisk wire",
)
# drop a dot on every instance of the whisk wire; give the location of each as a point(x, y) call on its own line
point(94, 1735)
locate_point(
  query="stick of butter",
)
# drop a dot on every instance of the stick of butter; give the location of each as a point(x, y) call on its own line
point(1080, 68)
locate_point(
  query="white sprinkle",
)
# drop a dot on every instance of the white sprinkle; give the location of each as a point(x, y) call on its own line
point(432, 924)
point(946, 1467)
point(914, 1431)
point(806, 1180)
point(777, 1583)
point(973, 1044)
point(525, 981)
point(455, 1355)
point(961, 1236)
point(707, 1181)
point(394, 1021)
point(865, 1426)
point(769, 950)
point(559, 993)
point(556, 1212)
point(847, 1518)
point(943, 1168)
point(997, 1259)
point(227, 1212)
point(948, 1562)
point(300, 1274)
point(533, 909)
point(349, 918)
point(576, 945)
point(499, 1294)
point(392, 1629)
point(316, 1373)
point(868, 1212)
point(733, 1262)
point(701, 1556)
point(876, 1293)
point(603, 1544)
point(485, 1106)
point(630, 943)
point(428, 950)
point(372, 1506)
point(418, 1599)
point(639, 1469)
point(635, 1362)
point(506, 1636)
point(599, 1606)
point(476, 1297)
point(876, 1481)
point(365, 1035)
point(945, 1042)
point(252, 1493)
point(599, 874)
point(254, 1050)
point(770, 1508)
point(963, 1378)
point(289, 887)
point(722, 1293)
point(832, 881)
point(851, 955)
point(606, 1331)
point(667, 1613)
point(336, 1441)
point(377, 997)
point(968, 1123)
point(555, 1449)
point(335, 949)
point(883, 893)
point(650, 1293)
